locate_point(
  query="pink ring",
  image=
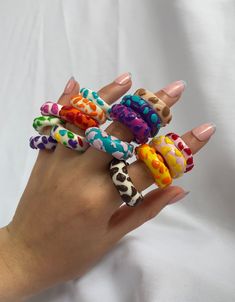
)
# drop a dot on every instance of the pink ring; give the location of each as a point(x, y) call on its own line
point(184, 148)
point(50, 108)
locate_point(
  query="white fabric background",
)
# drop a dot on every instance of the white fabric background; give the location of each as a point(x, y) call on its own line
point(186, 254)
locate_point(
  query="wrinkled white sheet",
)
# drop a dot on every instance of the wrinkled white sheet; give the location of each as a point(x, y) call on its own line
point(186, 254)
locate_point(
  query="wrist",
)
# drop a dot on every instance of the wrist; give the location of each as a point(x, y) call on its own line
point(16, 282)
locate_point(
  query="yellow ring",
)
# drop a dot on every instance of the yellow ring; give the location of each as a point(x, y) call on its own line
point(173, 157)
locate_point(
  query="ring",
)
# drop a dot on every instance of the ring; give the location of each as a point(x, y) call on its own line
point(50, 108)
point(184, 148)
point(89, 108)
point(41, 122)
point(145, 111)
point(76, 117)
point(95, 98)
point(69, 139)
point(124, 185)
point(100, 140)
point(140, 129)
point(155, 163)
point(174, 158)
point(42, 142)
point(157, 104)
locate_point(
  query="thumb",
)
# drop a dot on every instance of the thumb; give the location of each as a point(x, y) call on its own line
point(127, 218)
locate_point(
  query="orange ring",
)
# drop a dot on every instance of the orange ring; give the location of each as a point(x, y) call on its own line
point(89, 108)
point(155, 163)
point(77, 118)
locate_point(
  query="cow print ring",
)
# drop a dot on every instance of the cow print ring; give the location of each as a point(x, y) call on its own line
point(123, 183)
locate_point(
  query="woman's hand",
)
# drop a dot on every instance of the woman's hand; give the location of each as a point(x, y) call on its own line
point(69, 215)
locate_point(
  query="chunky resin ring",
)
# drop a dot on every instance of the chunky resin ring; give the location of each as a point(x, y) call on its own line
point(96, 99)
point(122, 181)
point(41, 122)
point(42, 142)
point(69, 139)
point(181, 146)
point(155, 163)
point(157, 104)
point(89, 108)
point(50, 108)
point(173, 157)
point(100, 140)
point(145, 111)
point(77, 118)
point(133, 121)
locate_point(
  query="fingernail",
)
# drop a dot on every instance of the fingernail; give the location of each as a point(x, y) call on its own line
point(204, 132)
point(178, 197)
point(70, 85)
point(123, 79)
point(175, 89)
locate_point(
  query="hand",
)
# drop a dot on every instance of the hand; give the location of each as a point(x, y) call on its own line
point(69, 215)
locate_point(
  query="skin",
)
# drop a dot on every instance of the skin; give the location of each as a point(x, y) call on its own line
point(69, 215)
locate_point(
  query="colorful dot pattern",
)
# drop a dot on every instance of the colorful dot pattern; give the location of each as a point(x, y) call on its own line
point(157, 104)
point(42, 142)
point(155, 163)
point(39, 123)
point(50, 108)
point(183, 147)
point(77, 118)
point(173, 157)
point(140, 129)
point(144, 110)
point(69, 139)
point(100, 140)
point(96, 99)
point(89, 108)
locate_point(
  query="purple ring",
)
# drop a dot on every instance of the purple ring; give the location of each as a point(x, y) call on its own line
point(42, 142)
point(144, 110)
point(133, 121)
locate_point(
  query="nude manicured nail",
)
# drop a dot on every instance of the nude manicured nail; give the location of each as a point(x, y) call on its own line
point(175, 89)
point(123, 79)
point(70, 85)
point(178, 197)
point(204, 132)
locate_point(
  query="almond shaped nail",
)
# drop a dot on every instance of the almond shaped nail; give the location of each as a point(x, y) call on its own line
point(204, 132)
point(175, 89)
point(70, 86)
point(123, 79)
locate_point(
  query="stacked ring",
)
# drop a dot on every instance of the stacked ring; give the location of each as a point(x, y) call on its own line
point(122, 181)
point(133, 121)
point(157, 104)
point(77, 118)
point(69, 139)
point(108, 143)
point(184, 148)
point(155, 163)
point(41, 122)
point(96, 99)
point(89, 108)
point(50, 108)
point(42, 142)
point(69, 114)
point(144, 110)
point(173, 157)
